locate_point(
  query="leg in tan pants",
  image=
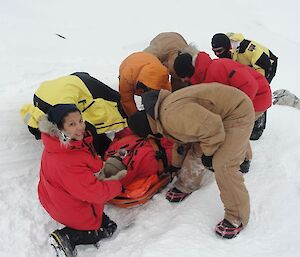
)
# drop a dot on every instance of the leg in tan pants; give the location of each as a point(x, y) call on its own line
point(192, 172)
point(226, 163)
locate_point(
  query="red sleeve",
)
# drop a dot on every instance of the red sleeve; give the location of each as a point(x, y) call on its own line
point(82, 184)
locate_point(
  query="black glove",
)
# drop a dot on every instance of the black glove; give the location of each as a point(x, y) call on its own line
point(207, 161)
point(172, 170)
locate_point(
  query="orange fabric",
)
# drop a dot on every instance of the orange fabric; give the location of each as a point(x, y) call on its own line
point(143, 67)
point(139, 187)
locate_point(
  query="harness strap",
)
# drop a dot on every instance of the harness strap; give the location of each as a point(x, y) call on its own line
point(161, 155)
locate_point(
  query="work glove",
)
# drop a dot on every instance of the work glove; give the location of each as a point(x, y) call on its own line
point(207, 161)
point(119, 175)
point(285, 97)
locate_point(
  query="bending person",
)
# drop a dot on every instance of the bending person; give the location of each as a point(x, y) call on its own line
point(217, 120)
point(100, 105)
point(166, 46)
point(250, 53)
point(139, 73)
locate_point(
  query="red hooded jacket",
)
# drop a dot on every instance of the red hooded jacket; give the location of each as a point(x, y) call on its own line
point(68, 189)
point(229, 72)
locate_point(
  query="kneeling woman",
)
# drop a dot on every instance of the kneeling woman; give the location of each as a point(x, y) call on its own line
point(68, 189)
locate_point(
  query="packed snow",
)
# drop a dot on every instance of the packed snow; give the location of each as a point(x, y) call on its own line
point(96, 37)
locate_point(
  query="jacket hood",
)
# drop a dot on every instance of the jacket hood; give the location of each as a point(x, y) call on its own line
point(202, 62)
point(235, 36)
point(190, 49)
point(47, 127)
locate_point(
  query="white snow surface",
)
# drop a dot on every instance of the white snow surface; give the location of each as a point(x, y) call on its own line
point(99, 35)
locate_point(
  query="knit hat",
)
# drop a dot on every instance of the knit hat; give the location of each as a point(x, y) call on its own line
point(112, 166)
point(59, 111)
point(139, 124)
point(221, 40)
point(183, 65)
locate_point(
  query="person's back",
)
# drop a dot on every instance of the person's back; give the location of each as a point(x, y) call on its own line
point(166, 46)
point(197, 67)
point(245, 51)
point(221, 70)
point(87, 93)
point(251, 53)
point(138, 73)
point(100, 105)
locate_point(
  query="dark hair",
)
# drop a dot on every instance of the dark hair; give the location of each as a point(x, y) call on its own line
point(183, 65)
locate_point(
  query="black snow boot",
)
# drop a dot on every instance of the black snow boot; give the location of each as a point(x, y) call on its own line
point(108, 226)
point(259, 126)
point(62, 244)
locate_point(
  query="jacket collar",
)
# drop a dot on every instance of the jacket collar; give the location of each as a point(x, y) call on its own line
point(155, 123)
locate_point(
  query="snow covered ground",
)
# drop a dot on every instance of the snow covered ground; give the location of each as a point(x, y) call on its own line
point(98, 36)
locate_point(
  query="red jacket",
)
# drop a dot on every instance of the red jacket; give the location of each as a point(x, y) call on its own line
point(67, 189)
point(229, 72)
point(141, 159)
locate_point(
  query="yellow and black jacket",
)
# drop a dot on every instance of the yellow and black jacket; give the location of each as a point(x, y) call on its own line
point(99, 104)
point(254, 55)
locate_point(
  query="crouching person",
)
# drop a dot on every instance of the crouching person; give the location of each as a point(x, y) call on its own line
point(218, 121)
point(68, 189)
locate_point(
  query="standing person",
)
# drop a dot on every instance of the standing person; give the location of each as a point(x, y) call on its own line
point(217, 121)
point(138, 73)
point(250, 53)
point(197, 67)
point(68, 189)
point(166, 46)
point(100, 105)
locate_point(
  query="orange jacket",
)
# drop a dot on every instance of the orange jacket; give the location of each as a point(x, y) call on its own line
point(145, 68)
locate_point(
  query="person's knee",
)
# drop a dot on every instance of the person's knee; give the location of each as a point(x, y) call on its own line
point(223, 165)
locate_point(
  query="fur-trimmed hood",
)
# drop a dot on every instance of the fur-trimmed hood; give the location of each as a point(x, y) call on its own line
point(47, 127)
point(190, 49)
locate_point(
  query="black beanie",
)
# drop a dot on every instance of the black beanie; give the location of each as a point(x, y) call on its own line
point(139, 124)
point(220, 40)
point(183, 65)
point(59, 111)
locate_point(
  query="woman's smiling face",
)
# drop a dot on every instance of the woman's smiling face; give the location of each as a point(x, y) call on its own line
point(74, 126)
